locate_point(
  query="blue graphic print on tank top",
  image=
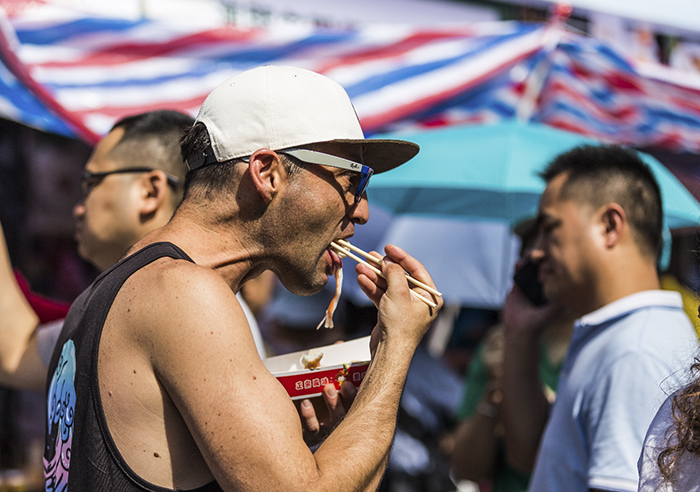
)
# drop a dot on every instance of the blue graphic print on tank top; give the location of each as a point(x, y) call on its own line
point(60, 413)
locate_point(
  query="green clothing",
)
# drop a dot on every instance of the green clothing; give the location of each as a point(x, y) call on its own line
point(505, 479)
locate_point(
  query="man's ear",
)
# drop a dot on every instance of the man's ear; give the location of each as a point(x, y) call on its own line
point(154, 191)
point(614, 221)
point(266, 173)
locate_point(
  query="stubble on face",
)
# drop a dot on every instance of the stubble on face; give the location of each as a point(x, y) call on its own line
point(310, 224)
point(314, 212)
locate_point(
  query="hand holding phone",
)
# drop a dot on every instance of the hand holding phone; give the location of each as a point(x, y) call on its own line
point(527, 280)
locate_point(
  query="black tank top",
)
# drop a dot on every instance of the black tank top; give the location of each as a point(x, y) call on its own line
point(80, 454)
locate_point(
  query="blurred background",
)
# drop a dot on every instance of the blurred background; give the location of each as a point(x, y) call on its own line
point(501, 82)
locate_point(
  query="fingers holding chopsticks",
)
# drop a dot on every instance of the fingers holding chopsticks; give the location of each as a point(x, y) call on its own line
point(372, 283)
point(399, 314)
point(415, 271)
point(375, 258)
point(416, 274)
point(370, 265)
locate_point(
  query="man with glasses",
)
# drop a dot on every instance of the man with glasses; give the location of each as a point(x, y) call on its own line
point(116, 210)
point(277, 158)
point(131, 185)
point(121, 203)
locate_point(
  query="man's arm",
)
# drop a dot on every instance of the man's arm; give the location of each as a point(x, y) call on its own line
point(477, 439)
point(20, 364)
point(242, 419)
point(524, 407)
point(476, 443)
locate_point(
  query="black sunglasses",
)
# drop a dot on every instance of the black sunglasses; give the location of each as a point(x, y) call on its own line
point(89, 179)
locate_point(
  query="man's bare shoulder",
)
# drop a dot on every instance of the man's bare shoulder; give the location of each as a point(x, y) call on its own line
point(175, 299)
point(178, 343)
point(177, 270)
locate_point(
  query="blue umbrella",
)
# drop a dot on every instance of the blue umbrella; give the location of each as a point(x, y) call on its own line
point(490, 172)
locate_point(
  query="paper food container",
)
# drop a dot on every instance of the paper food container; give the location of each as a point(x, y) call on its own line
point(347, 361)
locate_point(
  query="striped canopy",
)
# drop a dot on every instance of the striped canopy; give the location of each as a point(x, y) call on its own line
point(75, 75)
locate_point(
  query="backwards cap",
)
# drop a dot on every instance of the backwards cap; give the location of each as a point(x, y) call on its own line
point(284, 107)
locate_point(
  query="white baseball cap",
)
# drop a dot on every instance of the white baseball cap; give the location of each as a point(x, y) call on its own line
point(280, 108)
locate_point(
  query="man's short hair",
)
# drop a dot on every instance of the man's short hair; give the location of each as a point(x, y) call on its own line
point(216, 178)
point(152, 140)
point(597, 175)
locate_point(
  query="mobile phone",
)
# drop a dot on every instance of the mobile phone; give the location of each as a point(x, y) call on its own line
point(526, 279)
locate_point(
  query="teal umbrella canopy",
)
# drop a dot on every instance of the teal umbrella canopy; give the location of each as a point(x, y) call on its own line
point(491, 172)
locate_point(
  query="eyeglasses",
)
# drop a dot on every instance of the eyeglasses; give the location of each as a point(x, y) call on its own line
point(313, 157)
point(89, 179)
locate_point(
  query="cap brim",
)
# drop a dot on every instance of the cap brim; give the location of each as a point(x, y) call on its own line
point(383, 155)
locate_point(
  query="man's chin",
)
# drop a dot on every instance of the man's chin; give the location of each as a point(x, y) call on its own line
point(83, 253)
point(306, 288)
point(552, 294)
point(548, 290)
point(93, 259)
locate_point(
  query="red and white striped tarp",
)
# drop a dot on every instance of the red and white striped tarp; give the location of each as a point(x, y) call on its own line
point(75, 75)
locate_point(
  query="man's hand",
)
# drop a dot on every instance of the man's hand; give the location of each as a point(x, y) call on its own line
point(337, 404)
point(399, 313)
point(523, 317)
point(524, 407)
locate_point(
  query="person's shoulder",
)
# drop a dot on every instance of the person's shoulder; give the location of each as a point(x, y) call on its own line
point(171, 274)
point(656, 321)
point(666, 326)
point(169, 293)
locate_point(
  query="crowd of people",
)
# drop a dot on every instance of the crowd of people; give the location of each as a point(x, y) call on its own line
point(154, 380)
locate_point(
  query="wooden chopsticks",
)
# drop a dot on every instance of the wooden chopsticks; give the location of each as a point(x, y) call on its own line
point(344, 247)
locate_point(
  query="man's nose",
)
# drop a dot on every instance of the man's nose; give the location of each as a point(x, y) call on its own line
point(79, 209)
point(359, 212)
point(536, 253)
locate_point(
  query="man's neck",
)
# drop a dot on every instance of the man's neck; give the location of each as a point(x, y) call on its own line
point(626, 278)
point(208, 246)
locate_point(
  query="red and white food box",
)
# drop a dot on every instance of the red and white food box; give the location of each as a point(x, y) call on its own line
point(347, 361)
